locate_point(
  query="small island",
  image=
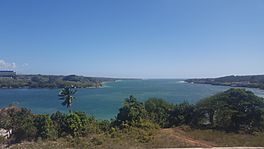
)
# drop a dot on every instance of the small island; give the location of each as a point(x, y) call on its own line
point(250, 81)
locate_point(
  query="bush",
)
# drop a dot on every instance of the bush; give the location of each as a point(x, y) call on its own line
point(182, 114)
point(104, 125)
point(23, 126)
point(158, 111)
point(45, 127)
point(234, 110)
point(73, 124)
point(58, 120)
point(88, 123)
point(131, 112)
point(145, 124)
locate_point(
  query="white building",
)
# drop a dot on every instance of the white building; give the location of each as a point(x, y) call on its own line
point(5, 133)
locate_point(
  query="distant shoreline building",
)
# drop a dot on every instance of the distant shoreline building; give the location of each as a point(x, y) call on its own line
point(7, 73)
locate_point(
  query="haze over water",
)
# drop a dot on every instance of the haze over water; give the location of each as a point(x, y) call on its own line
point(103, 103)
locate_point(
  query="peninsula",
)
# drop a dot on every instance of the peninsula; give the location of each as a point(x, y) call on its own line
point(51, 81)
point(250, 81)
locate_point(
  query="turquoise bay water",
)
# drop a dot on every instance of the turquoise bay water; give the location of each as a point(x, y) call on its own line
point(104, 102)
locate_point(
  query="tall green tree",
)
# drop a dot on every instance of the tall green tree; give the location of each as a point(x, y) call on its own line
point(233, 110)
point(67, 95)
point(158, 111)
point(131, 113)
point(181, 114)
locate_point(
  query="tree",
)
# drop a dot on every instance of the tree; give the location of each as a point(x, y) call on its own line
point(88, 123)
point(6, 120)
point(73, 124)
point(131, 113)
point(58, 119)
point(158, 111)
point(233, 110)
point(181, 114)
point(23, 125)
point(45, 127)
point(66, 95)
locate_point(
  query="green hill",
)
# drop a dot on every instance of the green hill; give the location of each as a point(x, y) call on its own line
point(51, 81)
point(251, 81)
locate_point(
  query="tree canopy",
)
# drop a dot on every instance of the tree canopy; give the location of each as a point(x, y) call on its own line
point(66, 95)
point(233, 110)
point(132, 112)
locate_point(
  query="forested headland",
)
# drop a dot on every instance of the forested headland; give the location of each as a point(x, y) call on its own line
point(51, 81)
point(250, 81)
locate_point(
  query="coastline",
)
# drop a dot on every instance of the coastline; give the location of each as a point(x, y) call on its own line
point(98, 85)
point(229, 85)
point(260, 94)
point(247, 81)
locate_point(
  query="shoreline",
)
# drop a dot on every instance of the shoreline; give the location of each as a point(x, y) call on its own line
point(226, 85)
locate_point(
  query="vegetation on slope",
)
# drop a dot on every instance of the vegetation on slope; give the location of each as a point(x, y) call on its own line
point(254, 81)
point(50, 81)
point(236, 112)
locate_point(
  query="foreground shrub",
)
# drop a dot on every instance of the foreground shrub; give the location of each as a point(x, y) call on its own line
point(23, 125)
point(104, 126)
point(45, 127)
point(181, 114)
point(145, 124)
point(132, 112)
point(233, 110)
point(58, 120)
point(73, 124)
point(158, 111)
point(88, 123)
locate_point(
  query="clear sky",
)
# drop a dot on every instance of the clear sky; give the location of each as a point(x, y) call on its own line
point(133, 38)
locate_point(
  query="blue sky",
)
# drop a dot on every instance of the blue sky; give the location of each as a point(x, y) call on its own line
point(133, 38)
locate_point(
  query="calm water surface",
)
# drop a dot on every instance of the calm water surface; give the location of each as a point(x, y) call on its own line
point(103, 103)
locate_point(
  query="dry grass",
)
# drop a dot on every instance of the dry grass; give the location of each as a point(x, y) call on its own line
point(137, 139)
point(223, 139)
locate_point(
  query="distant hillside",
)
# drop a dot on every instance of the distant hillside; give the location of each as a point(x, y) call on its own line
point(251, 81)
point(51, 81)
